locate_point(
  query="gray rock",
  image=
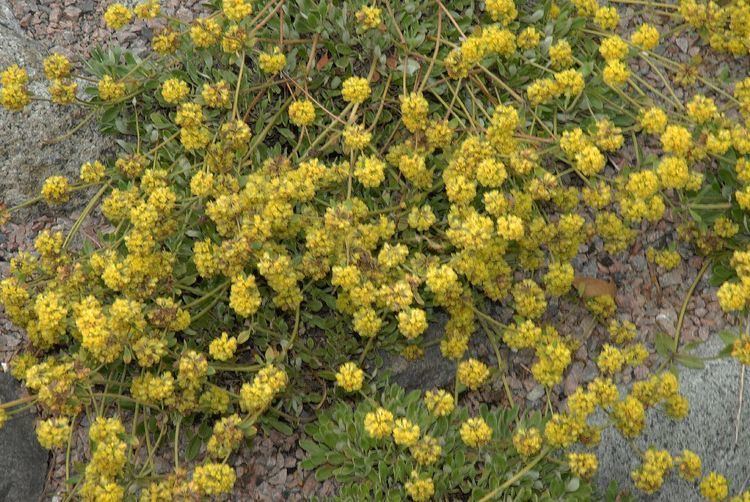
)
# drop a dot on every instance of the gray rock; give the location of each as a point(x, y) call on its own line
point(27, 154)
point(431, 371)
point(709, 431)
point(23, 463)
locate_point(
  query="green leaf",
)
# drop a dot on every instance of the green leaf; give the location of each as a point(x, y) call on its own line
point(664, 344)
point(690, 361)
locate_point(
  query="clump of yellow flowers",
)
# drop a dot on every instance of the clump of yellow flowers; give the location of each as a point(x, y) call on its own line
point(401, 192)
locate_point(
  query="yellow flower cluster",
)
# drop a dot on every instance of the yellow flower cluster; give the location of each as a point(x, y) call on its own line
point(355, 90)
point(213, 479)
point(650, 476)
point(301, 112)
point(369, 17)
point(475, 432)
point(527, 442)
point(117, 15)
point(272, 63)
point(53, 432)
point(257, 396)
point(223, 348)
point(350, 377)
point(14, 94)
point(236, 10)
point(472, 373)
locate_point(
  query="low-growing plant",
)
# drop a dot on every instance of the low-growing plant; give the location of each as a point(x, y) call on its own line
point(299, 185)
point(476, 456)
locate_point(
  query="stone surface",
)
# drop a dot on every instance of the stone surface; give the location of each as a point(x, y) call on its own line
point(709, 431)
point(23, 463)
point(432, 370)
point(27, 154)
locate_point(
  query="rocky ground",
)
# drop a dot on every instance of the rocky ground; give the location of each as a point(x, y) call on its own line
point(650, 297)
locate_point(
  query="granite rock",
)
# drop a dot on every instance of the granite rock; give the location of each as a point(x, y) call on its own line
point(23, 462)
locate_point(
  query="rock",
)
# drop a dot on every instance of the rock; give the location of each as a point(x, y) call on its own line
point(708, 430)
point(23, 463)
point(432, 370)
point(672, 278)
point(26, 157)
point(667, 321)
point(87, 6)
point(72, 12)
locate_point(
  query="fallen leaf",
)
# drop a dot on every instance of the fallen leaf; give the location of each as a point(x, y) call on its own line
point(589, 287)
point(323, 61)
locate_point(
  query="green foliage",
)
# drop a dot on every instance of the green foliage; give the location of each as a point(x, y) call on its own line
point(368, 468)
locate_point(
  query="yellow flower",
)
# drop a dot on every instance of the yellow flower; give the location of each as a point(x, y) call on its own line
point(653, 120)
point(607, 18)
point(63, 92)
point(244, 297)
point(301, 112)
point(439, 402)
point(148, 9)
point(53, 432)
point(502, 11)
point(356, 137)
point(615, 73)
point(527, 441)
point(472, 373)
point(355, 90)
point(419, 489)
point(677, 140)
point(379, 423)
point(414, 108)
point(213, 479)
point(174, 90)
point(629, 416)
point(610, 360)
point(731, 297)
point(741, 349)
point(405, 433)
point(350, 377)
point(205, 32)
point(117, 15)
point(216, 95)
point(646, 37)
point(613, 48)
point(370, 171)
point(475, 432)
point(690, 465)
point(650, 476)
point(714, 487)
point(583, 465)
point(223, 348)
point(368, 17)
point(56, 66)
point(56, 190)
point(236, 10)
point(272, 63)
point(701, 109)
point(529, 38)
point(165, 42)
point(426, 451)
point(109, 90)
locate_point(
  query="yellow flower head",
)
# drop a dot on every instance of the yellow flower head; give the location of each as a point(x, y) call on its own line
point(355, 90)
point(117, 15)
point(475, 432)
point(350, 377)
point(302, 112)
point(379, 423)
point(405, 433)
point(439, 402)
point(472, 373)
point(369, 17)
